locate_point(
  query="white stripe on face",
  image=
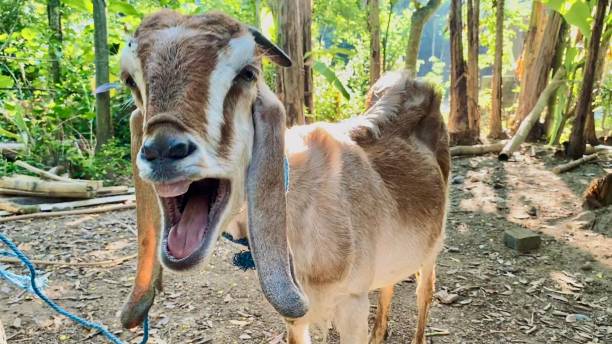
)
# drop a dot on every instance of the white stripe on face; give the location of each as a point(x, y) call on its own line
point(239, 52)
point(131, 64)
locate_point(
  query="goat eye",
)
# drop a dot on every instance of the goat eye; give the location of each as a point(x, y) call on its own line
point(247, 74)
point(129, 82)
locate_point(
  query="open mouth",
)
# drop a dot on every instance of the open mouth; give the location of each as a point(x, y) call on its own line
point(192, 212)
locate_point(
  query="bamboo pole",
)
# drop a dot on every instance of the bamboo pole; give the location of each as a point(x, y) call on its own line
point(49, 188)
point(572, 164)
point(533, 116)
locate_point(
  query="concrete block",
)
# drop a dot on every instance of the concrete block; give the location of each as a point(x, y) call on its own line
point(521, 240)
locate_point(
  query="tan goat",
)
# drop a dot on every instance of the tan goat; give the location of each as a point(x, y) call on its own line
point(367, 197)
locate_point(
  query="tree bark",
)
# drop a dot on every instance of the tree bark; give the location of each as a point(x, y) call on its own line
point(536, 72)
point(589, 130)
point(374, 28)
point(417, 22)
point(552, 102)
point(104, 126)
point(473, 14)
point(291, 80)
point(532, 117)
point(55, 43)
point(495, 122)
point(458, 123)
point(577, 143)
point(306, 12)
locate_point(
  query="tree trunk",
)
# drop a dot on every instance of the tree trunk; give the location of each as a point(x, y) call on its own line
point(589, 130)
point(458, 124)
point(495, 122)
point(291, 80)
point(104, 126)
point(385, 39)
point(473, 14)
point(257, 4)
point(374, 28)
point(533, 35)
point(577, 143)
point(55, 43)
point(552, 102)
point(306, 11)
point(417, 22)
point(536, 72)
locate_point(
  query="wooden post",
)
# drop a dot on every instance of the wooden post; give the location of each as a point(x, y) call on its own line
point(374, 28)
point(291, 80)
point(55, 43)
point(104, 126)
point(458, 124)
point(495, 122)
point(473, 14)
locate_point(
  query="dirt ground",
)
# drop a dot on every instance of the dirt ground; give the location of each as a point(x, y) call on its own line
point(560, 293)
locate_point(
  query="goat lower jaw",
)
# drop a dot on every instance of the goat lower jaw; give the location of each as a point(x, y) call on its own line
point(192, 222)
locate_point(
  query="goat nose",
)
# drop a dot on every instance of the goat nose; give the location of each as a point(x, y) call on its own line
point(163, 147)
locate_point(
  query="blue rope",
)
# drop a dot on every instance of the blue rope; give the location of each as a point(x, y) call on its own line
point(286, 171)
point(83, 322)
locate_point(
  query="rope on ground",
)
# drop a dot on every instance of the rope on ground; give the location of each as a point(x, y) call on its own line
point(83, 322)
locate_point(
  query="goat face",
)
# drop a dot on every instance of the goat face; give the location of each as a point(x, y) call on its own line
point(196, 79)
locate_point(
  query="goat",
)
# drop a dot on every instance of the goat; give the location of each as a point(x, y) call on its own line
point(366, 200)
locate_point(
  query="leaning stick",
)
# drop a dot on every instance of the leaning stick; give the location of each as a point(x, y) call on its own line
point(533, 116)
point(111, 262)
point(69, 212)
point(572, 164)
point(94, 184)
point(477, 149)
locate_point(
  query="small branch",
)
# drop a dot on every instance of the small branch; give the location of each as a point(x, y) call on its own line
point(69, 212)
point(105, 263)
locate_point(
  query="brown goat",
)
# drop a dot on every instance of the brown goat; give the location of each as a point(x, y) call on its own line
point(366, 201)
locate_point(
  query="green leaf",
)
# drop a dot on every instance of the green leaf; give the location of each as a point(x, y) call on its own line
point(579, 15)
point(8, 134)
point(123, 7)
point(6, 81)
point(82, 5)
point(570, 57)
point(28, 34)
point(556, 5)
point(331, 77)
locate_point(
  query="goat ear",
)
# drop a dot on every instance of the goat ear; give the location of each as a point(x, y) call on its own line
point(267, 207)
point(148, 271)
point(276, 54)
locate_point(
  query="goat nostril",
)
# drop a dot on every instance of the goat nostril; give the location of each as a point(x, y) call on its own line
point(149, 152)
point(180, 150)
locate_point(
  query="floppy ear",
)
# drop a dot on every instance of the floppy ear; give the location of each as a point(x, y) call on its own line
point(274, 53)
point(148, 272)
point(266, 202)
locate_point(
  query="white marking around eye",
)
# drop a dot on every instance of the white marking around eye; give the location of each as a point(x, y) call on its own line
point(131, 63)
point(238, 53)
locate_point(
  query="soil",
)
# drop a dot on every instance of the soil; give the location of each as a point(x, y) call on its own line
point(559, 293)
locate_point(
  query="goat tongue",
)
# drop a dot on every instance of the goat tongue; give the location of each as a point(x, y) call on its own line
point(185, 237)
